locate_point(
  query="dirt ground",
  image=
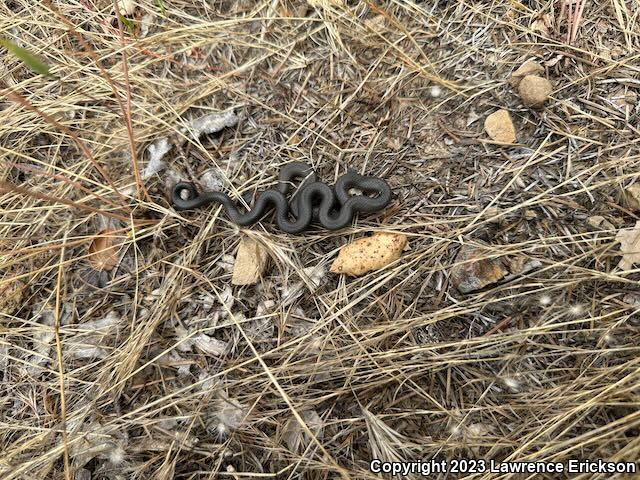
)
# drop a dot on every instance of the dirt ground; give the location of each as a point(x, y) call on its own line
point(507, 330)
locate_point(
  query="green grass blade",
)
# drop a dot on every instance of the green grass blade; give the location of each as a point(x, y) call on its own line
point(163, 9)
point(129, 24)
point(26, 57)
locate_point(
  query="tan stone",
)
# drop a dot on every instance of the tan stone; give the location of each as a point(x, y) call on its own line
point(534, 90)
point(527, 68)
point(369, 253)
point(500, 128)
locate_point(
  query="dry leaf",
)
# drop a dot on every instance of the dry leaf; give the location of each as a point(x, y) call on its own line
point(629, 239)
point(598, 221)
point(250, 264)
point(553, 62)
point(632, 197)
point(542, 24)
point(369, 253)
point(104, 251)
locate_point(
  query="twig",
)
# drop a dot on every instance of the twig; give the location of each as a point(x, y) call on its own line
point(126, 112)
point(578, 19)
point(140, 188)
point(56, 330)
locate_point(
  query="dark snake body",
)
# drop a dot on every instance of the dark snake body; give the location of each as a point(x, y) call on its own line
point(315, 201)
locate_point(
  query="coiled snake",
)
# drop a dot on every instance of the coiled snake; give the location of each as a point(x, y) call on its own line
point(313, 200)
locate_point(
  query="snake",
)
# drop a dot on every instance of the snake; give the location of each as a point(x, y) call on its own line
point(313, 201)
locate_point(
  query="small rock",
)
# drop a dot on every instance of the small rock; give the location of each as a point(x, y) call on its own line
point(250, 264)
point(527, 68)
point(473, 270)
point(369, 253)
point(600, 222)
point(632, 197)
point(500, 128)
point(534, 90)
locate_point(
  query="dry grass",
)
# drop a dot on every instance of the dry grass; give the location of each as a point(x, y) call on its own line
point(116, 373)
